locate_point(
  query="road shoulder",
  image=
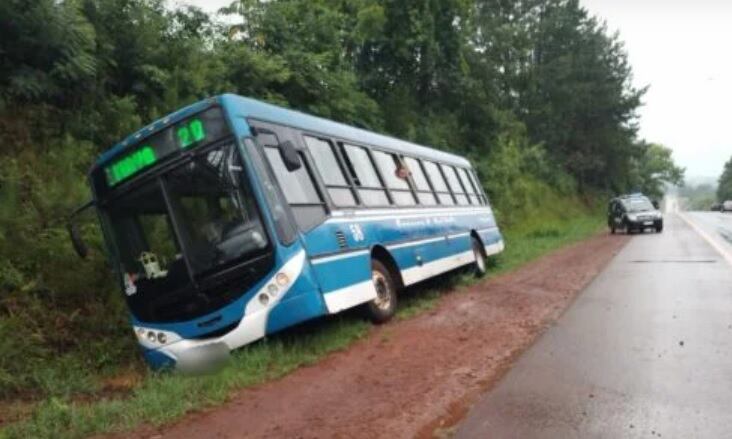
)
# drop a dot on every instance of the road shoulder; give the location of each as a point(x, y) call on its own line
point(412, 377)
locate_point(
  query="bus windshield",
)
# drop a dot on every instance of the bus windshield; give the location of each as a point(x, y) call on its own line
point(193, 220)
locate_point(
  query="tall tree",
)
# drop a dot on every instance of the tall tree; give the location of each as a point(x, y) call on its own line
point(724, 189)
point(652, 168)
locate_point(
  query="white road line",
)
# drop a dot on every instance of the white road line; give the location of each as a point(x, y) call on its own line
point(726, 254)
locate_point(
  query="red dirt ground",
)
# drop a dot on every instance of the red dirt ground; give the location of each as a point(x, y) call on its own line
point(413, 378)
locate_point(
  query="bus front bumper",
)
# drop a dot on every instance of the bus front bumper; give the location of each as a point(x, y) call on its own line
point(194, 355)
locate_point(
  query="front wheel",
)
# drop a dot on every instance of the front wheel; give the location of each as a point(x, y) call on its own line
point(480, 265)
point(383, 307)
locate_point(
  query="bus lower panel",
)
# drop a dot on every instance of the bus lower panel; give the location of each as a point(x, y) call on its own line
point(158, 360)
point(296, 309)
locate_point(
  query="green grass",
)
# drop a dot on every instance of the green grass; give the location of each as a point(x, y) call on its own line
point(161, 398)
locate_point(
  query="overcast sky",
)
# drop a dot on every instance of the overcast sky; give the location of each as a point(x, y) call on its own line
point(681, 49)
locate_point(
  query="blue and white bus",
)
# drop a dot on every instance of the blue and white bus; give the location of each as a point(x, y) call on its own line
point(232, 219)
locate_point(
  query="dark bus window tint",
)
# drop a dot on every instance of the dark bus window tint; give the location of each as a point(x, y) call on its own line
point(454, 182)
point(284, 227)
point(371, 190)
point(424, 193)
point(438, 182)
point(330, 171)
point(297, 186)
point(400, 191)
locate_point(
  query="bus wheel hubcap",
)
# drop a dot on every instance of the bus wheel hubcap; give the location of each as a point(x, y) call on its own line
point(479, 262)
point(383, 298)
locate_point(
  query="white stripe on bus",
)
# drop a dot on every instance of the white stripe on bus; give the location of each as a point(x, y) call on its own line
point(353, 219)
point(495, 248)
point(421, 272)
point(350, 296)
point(400, 211)
point(338, 257)
point(353, 254)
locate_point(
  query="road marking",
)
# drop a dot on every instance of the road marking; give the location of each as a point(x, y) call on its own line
point(719, 248)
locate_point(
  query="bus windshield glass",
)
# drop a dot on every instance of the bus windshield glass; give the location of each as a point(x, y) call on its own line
point(200, 215)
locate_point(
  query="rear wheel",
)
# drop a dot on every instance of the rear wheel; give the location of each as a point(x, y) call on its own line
point(480, 265)
point(383, 307)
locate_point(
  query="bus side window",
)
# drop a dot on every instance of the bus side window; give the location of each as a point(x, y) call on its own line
point(454, 182)
point(424, 192)
point(438, 183)
point(370, 190)
point(398, 185)
point(330, 170)
point(472, 194)
point(297, 186)
point(481, 194)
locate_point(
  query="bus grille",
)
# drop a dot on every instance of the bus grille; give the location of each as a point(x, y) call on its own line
point(218, 332)
point(341, 238)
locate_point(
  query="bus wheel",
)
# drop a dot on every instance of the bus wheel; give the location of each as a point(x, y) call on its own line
point(383, 307)
point(480, 266)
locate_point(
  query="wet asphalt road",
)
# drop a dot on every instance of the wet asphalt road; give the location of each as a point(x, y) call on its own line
point(716, 227)
point(644, 352)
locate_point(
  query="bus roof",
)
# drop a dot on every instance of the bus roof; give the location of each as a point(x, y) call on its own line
point(248, 107)
point(260, 110)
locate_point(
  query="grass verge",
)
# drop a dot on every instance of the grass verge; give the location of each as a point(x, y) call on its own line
point(161, 398)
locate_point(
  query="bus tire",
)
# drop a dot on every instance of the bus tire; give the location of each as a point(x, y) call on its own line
point(480, 266)
point(383, 308)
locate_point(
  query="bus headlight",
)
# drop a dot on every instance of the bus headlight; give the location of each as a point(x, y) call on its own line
point(282, 279)
point(272, 290)
point(152, 338)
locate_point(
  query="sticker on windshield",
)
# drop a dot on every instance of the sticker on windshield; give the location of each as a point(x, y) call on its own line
point(130, 287)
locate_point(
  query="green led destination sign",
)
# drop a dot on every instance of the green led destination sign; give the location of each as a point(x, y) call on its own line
point(203, 128)
point(191, 133)
point(130, 165)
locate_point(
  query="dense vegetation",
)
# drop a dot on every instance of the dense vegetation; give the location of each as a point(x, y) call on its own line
point(536, 92)
point(724, 189)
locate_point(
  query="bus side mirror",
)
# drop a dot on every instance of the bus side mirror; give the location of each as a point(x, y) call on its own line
point(79, 246)
point(290, 157)
point(76, 241)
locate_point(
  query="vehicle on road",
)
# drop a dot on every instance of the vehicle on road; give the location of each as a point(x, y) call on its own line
point(726, 206)
point(716, 207)
point(232, 219)
point(632, 213)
